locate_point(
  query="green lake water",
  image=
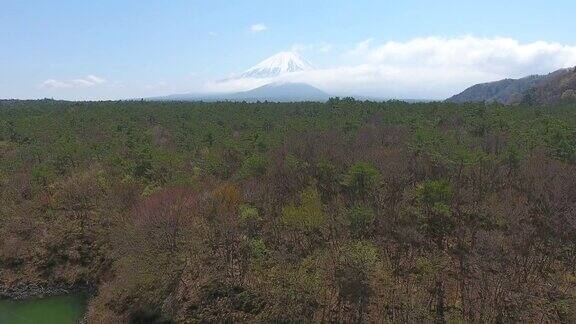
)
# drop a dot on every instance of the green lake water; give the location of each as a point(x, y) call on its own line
point(51, 310)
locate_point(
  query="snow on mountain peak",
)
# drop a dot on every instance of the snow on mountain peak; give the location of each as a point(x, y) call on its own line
point(276, 65)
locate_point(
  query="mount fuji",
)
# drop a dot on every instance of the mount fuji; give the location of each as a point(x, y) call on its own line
point(277, 65)
point(266, 74)
point(274, 92)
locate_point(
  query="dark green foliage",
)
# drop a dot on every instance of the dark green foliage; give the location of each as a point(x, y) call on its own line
point(360, 179)
point(435, 198)
point(361, 220)
point(254, 165)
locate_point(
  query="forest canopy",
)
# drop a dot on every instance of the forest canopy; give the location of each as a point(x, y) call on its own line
point(285, 212)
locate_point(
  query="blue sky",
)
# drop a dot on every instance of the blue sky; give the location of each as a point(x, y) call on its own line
point(109, 49)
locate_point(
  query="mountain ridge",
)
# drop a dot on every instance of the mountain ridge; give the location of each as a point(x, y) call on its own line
point(533, 89)
point(274, 92)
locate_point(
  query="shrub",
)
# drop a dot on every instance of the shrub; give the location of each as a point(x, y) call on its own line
point(360, 220)
point(360, 179)
point(254, 166)
point(308, 215)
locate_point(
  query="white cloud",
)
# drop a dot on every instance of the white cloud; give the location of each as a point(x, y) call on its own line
point(54, 84)
point(361, 47)
point(256, 28)
point(212, 34)
point(492, 56)
point(96, 80)
point(431, 67)
point(86, 82)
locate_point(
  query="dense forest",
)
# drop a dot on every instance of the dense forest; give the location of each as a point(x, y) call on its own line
point(344, 211)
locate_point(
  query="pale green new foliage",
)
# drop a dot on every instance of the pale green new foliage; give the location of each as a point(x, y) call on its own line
point(249, 214)
point(257, 248)
point(362, 253)
point(355, 265)
point(308, 215)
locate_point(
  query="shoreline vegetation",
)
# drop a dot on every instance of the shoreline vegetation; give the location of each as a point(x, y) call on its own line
point(29, 291)
point(344, 211)
point(34, 290)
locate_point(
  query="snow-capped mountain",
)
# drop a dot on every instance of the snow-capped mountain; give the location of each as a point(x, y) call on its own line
point(276, 65)
point(274, 79)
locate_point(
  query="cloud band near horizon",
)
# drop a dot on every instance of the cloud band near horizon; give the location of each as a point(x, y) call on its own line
point(427, 67)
